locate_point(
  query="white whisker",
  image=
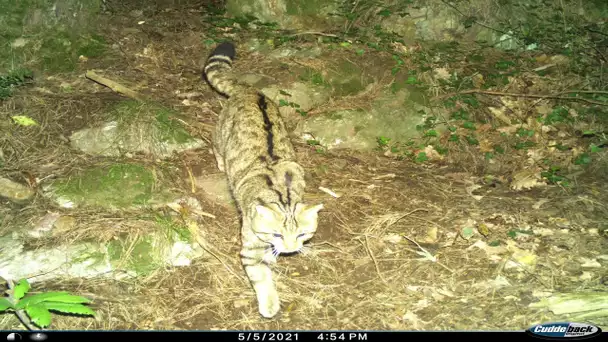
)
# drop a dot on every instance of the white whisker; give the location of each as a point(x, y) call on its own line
point(305, 250)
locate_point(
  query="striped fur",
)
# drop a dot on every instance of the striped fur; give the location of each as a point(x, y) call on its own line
point(252, 147)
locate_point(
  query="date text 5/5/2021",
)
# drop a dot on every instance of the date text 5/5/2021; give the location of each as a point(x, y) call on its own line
point(289, 336)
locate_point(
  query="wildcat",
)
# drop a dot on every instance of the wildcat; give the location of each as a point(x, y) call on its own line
point(252, 147)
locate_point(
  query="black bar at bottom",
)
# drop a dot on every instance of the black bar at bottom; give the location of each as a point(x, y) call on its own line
point(264, 336)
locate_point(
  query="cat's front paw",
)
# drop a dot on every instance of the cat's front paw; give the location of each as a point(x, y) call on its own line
point(269, 305)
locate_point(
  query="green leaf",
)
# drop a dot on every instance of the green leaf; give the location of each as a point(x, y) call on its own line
point(383, 141)
point(411, 80)
point(345, 44)
point(524, 132)
point(470, 100)
point(360, 52)
point(421, 157)
point(283, 103)
point(21, 289)
point(69, 308)
point(453, 137)
point(503, 65)
point(524, 145)
point(499, 149)
point(467, 232)
point(384, 13)
point(588, 133)
point(472, 140)
point(39, 315)
point(431, 133)
point(469, 125)
point(452, 129)
point(283, 92)
point(5, 304)
point(594, 148)
point(583, 159)
point(62, 297)
point(23, 120)
point(558, 114)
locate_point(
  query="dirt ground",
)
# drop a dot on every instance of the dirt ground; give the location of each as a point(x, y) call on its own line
point(389, 253)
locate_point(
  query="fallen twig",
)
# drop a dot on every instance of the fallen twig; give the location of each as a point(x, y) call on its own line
point(426, 255)
point(371, 255)
point(314, 33)
point(117, 87)
point(329, 192)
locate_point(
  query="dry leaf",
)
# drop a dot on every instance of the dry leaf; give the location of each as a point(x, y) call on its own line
point(442, 73)
point(527, 179)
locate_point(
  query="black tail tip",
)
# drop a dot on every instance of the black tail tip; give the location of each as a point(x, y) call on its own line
point(224, 49)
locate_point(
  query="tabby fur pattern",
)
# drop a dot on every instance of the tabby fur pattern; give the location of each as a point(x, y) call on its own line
point(253, 149)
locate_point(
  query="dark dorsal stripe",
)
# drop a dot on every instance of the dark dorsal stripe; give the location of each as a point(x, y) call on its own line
point(271, 187)
point(288, 178)
point(267, 126)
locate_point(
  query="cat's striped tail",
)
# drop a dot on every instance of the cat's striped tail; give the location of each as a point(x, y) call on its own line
point(217, 69)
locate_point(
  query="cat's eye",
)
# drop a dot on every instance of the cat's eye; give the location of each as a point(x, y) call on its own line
point(277, 235)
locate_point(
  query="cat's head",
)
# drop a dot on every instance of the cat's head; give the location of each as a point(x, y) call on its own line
point(285, 229)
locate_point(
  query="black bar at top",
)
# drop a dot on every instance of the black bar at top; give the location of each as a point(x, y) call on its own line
point(270, 336)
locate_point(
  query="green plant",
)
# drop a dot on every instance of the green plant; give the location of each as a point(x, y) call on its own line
point(15, 78)
point(552, 175)
point(285, 103)
point(36, 309)
point(383, 141)
point(422, 157)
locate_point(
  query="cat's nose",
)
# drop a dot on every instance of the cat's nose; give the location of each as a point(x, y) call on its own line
point(290, 245)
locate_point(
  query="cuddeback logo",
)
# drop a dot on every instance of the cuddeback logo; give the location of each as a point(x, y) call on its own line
point(564, 330)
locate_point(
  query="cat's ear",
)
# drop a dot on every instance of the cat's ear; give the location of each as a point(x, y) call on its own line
point(265, 213)
point(310, 213)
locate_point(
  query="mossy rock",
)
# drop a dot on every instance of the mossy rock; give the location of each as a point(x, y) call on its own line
point(393, 116)
point(141, 127)
point(170, 244)
point(117, 186)
point(57, 33)
point(288, 14)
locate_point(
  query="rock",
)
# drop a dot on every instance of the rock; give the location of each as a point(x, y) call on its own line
point(109, 140)
point(215, 187)
point(14, 191)
point(114, 187)
point(170, 244)
point(303, 96)
point(391, 116)
point(52, 224)
point(44, 226)
point(139, 127)
point(289, 14)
